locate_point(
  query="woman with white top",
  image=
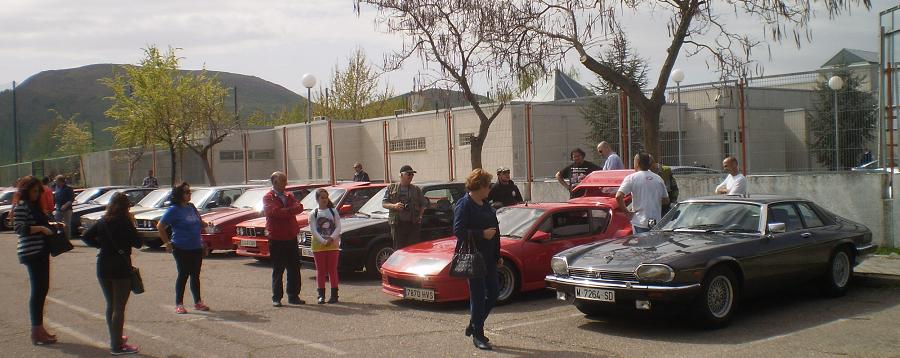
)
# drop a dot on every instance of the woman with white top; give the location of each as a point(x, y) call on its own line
point(325, 224)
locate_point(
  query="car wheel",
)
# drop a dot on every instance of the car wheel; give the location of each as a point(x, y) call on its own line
point(717, 301)
point(591, 308)
point(154, 244)
point(840, 271)
point(377, 256)
point(508, 285)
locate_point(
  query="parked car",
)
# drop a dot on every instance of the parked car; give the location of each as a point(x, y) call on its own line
point(156, 199)
point(711, 253)
point(206, 199)
point(99, 204)
point(599, 185)
point(366, 236)
point(221, 223)
point(530, 234)
point(5, 208)
point(251, 237)
point(88, 194)
point(6, 196)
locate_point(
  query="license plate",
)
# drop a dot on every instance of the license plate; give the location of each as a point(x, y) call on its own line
point(418, 294)
point(248, 243)
point(306, 252)
point(595, 294)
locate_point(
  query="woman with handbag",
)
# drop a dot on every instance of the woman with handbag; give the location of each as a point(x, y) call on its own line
point(184, 244)
point(33, 228)
point(476, 227)
point(114, 234)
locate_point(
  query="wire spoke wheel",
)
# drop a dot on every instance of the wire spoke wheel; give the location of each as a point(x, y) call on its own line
point(719, 296)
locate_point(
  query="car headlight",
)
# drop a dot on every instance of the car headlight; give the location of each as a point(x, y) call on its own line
point(655, 272)
point(212, 229)
point(560, 266)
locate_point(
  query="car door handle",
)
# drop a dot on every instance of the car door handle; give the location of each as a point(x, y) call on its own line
point(806, 235)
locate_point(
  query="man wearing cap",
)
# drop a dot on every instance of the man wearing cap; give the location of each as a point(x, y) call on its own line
point(406, 205)
point(359, 174)
point(504, 192)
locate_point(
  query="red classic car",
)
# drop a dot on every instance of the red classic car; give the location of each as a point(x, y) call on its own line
point(599, 184)
point(347, 198)
point(221, 223)
point(530, 234)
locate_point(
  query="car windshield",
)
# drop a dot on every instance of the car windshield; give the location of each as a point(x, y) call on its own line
point(251, 199)
point(199, 196)
point(86, 195)
point(515, 221)
point(105, 198)
point(309, 202)
point(712, 216)
point(373, 208)
point(6, 197)
point(155, 199)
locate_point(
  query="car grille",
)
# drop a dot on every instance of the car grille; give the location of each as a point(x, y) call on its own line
point(86, 223)
point(143, 224)
point(305, 238)
point(602, 275)
point(399, 282)
point(251, 231)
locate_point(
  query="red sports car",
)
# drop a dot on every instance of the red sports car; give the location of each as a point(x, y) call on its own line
point(251, 235)
point(530, 235)
point(221, 223)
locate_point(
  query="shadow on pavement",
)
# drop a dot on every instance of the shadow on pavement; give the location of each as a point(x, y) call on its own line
point(234, 316)
point(78, 350)
point(782, 312)
point(525, 352)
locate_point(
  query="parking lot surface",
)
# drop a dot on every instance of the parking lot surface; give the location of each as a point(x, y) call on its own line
point(242, 322)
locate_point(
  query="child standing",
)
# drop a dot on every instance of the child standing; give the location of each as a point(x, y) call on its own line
point(325, 225)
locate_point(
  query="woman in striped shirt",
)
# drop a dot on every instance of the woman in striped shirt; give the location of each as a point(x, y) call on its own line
point(32, 226)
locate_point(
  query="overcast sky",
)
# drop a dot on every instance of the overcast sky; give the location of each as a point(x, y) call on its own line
point(279, 40)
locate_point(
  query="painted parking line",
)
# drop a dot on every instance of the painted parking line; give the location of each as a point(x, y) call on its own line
point(59, 327)
point(262, 332)
point(528, 323)
point(132, 328)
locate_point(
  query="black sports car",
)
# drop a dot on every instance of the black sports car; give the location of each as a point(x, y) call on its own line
point(710, 253)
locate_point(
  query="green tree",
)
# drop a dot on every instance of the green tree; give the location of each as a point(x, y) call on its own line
point(857, 118)
point(354, 92)
point(73, 138)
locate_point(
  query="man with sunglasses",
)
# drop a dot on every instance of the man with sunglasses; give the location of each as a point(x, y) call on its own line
point(406, 204)
point(504, 192)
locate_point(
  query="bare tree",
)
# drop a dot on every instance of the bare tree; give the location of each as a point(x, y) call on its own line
point(457, 38)
point(204, 102)
point(542, 32)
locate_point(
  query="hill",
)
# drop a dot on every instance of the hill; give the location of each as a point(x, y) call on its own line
point(78, 90)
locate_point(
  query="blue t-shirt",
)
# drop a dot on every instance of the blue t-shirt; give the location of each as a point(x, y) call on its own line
point(185, 225)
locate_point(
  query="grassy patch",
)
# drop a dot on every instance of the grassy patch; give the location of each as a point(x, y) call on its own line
point(887, 251)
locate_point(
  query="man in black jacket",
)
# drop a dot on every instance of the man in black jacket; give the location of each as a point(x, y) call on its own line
point(504, 192)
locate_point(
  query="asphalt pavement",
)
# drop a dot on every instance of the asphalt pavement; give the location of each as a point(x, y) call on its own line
point(242, 322)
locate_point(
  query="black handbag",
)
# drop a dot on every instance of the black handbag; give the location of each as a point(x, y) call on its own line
point(467, 261)
point(137, 282)
point(58, 244)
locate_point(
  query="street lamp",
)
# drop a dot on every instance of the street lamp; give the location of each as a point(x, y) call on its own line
point(678, 76)
point(836, 83)
point(308, 81)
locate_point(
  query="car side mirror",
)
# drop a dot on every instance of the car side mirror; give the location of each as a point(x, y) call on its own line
point(777, 228)
point(345, 209)
point(540, 236)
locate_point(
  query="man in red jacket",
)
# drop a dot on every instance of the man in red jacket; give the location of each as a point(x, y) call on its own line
point(280, 208)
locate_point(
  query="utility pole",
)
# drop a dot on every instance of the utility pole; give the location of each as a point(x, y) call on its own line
point(15, 129)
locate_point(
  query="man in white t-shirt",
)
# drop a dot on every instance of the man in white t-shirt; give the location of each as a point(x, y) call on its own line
point(735, 183)
point(648, 195)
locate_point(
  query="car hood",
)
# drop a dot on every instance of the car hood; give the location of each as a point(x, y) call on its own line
point(350, 224)
point(429, 257)
point(626, 254)
point(302, 219)
point(229, 215)
point(151, 215)
point(88, 208)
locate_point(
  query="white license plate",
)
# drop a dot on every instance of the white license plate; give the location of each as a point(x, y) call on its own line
point(418, 294)
point(595, 294)
point(248, 243)
point(306, 252)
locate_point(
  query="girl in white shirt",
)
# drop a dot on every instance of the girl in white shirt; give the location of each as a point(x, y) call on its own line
point(325, 224)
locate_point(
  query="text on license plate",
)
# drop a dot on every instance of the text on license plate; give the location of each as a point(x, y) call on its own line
point(248, 243)
point(418, 294)
point(306, 252)
point(595, 294)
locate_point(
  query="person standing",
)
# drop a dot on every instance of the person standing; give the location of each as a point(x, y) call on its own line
point(612, 160)
point(406, 204)
point(359, 174)
point(575, 172)
point(184, 244)
point(648, 195)
point(665, 172)
point(325, 224)
point(115, 235)
point(32, 227)
point(280, 208)
point(474, 219)
point(866, 157)
point(150, 181)
point(504, 192)
point(64, 197)
point(47, 197)
point(735, 183)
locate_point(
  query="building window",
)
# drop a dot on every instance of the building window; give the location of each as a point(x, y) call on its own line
point(319, 161)
point(261, 154)
point(401, 145)
point(231, 155)
point(466, 138)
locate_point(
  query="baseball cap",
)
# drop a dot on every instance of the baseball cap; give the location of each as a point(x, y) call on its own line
point(502, 170)
point(407, 169)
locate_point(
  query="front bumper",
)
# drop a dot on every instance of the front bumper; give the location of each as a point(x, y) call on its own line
point(626, 291)
point(259, 250)
point(863, 252)
point(148, 235)
point(446, 289)
point(219, 241)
